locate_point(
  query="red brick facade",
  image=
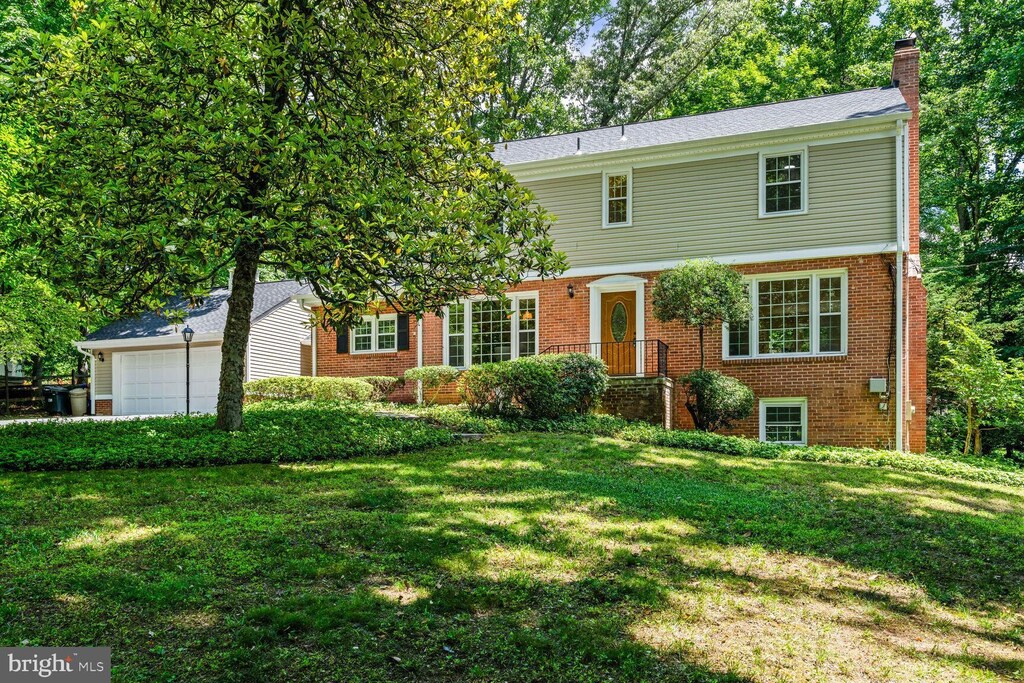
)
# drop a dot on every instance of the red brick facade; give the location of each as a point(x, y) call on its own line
point(841, 410)
point(104, 406)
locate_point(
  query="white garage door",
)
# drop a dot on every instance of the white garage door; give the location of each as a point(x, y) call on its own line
point(153, 382)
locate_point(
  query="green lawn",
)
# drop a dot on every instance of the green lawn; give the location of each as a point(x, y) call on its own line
point(524, 557)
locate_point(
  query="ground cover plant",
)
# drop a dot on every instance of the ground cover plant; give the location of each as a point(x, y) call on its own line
point(275, 431)
point(525, 557)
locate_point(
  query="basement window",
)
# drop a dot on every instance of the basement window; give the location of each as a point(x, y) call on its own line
point(784, 420)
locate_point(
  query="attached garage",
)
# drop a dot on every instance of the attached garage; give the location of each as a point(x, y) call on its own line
point(153, 382)
point(138, 364)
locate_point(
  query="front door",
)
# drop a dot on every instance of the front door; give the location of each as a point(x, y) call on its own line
point(618, 332)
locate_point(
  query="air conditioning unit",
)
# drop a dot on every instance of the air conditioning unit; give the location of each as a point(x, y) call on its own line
point(878, 385)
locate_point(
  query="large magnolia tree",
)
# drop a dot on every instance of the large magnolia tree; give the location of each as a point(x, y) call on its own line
point(329, 140)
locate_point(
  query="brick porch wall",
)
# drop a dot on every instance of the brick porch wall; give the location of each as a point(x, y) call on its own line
point(841, 411)
point(104, 406)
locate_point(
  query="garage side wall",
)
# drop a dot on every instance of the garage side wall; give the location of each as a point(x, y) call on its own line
point(275, 343)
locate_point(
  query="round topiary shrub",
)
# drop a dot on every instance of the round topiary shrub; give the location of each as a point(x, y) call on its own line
point(716, 401)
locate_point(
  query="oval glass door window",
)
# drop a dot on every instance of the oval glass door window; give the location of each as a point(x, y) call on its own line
point(619, 322)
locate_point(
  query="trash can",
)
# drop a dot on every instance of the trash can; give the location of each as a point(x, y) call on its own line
point(56, 399)
point(79, 398)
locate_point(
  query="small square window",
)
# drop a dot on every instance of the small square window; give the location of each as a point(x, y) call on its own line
point(375, 334)
point(784, 421)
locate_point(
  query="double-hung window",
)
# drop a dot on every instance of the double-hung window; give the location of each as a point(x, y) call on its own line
point(375, 334)
point(791, 315)
point(784, 420)
point(618, 198)
point(783, 183)
point(491, 330)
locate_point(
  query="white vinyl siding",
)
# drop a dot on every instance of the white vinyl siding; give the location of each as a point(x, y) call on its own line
point(711, 208)
point(275, 342)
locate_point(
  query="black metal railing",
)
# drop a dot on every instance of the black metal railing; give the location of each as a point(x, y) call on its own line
point(644, 357)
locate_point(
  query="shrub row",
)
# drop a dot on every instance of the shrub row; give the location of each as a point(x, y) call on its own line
point(312, 388)
point(275, 431)
point(536, 387)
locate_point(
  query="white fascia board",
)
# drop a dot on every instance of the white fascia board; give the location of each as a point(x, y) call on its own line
point(697, 150)
point(735, 259)
point(166, 340)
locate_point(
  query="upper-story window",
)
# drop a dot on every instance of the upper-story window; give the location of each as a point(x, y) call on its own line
point(783, 183)
point(791, 315)
point(618, 198)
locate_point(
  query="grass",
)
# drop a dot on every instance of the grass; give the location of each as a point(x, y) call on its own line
point(525, 557)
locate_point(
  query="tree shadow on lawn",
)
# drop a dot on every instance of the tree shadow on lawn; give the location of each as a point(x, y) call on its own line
point(568, 559)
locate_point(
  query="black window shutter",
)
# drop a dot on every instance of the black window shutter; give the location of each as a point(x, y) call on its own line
point(403, 332)
point(342, 339)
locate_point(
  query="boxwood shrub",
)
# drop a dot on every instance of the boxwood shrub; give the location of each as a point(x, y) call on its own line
point(382, 386)
point(536, 387)
point(310, 388)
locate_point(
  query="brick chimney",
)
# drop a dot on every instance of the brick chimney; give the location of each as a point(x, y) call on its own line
point(906, 75)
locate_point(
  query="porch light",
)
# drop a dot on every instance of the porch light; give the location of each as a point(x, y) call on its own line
point(571, 290)
point(99, 356)
point(187, 334)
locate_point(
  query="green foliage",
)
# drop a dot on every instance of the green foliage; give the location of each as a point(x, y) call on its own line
point(330, 142)
point(434, 377)
point(460, 418)
point(716, 401)
point(275, 432)
point(989, 391)
point(700, 293)
point(536, 387)
point(382, 385)
point(311, 388)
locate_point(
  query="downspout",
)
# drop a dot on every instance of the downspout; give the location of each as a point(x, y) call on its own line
point(92, 381)
point(419, 358)
point(900, 247)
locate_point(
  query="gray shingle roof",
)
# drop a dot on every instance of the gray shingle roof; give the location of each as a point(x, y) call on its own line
point(210, 317)
point(848, 106)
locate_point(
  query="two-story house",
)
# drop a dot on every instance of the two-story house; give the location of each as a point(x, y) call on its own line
point(815, 201)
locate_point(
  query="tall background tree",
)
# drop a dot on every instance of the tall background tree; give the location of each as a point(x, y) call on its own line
point(329, 140)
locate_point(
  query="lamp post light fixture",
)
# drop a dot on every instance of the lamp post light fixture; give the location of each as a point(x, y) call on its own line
point(187, 335)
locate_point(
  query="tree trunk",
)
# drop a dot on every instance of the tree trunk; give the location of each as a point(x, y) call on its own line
point(977, 439)
point(970, 428)
point(700, 334)
point(236, 339)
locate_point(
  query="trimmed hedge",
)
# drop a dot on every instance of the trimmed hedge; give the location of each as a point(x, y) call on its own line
point(274, 432)
point(382, 386)
point(536, 387)
point(433, 377)
point(311, 388)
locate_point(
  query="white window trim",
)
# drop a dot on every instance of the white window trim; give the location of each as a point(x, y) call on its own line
point(467, 332)
point(375, 348)
point(804, 181)
point(628, 172)
point(816, 275)
point(800, 402)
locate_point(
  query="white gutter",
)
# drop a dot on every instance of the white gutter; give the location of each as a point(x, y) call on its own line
point(163, 340)
point(419, 358)
point(901, 219)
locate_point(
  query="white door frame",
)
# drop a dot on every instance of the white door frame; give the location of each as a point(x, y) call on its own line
point(617, 283)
